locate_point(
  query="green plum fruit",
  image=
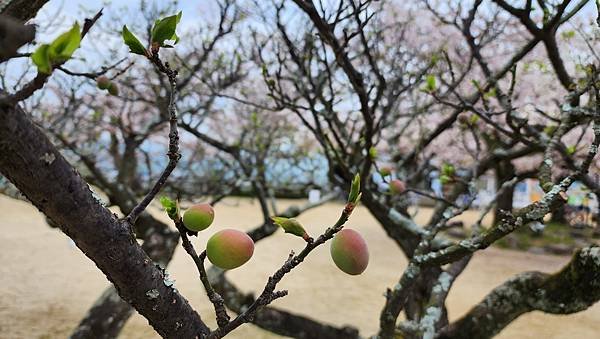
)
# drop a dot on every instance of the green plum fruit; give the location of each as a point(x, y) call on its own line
point(102, 82)
point(228, 249)
point(385, 171)
point(113, 89)
point(198, 217)
point(349, 252)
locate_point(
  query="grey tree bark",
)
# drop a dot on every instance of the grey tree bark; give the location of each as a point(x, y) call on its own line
point(109, 314)
point(573, 289)
point(30, 161)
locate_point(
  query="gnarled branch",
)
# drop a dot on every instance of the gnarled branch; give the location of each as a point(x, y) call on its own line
point(573, 289)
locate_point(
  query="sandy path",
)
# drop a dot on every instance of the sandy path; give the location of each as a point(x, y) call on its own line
point(46, 284)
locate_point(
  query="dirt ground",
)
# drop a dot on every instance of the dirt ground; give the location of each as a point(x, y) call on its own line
point(46, 284)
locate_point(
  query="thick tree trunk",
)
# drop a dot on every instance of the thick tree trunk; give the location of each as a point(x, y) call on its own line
point(407, 238)
point(30, 161)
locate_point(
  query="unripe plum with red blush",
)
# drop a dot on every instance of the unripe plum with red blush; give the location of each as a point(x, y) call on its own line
point(229, 249)
point(103, 82)
point(349, 252)
point(397, 186)
point(198, 217)
point(385, 171)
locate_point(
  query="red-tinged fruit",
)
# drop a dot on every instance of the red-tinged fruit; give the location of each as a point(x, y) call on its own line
point(397, 186)
point(349, 252)
point(103, 82)
point(385, 171)
point(463, 118)
point(229, 249)
point(198, 217)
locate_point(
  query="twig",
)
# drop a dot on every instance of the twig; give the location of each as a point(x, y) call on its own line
point(94, 75)
point(214, 297)
point(396, 297)
point(431, 196)
point(505, 186)
point(269, 294)
point(173, 153)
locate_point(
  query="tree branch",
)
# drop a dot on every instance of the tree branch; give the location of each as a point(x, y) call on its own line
point(173, 153)
point(41, 78)
point(213, 296)
point(30, 161)
point(13, 35)
point(274, 319)
point(574, 288)
point(22, 10)
point(269, 294)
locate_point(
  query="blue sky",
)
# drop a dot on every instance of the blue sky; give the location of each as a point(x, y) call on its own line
point(72, 9)
point(69, 11)
point(57, 16)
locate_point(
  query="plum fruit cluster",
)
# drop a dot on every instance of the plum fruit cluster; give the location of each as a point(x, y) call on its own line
point(229, 248)
point(105, 83)
point(226, 249)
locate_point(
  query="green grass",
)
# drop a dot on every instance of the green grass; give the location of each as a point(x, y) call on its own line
point(554, 233)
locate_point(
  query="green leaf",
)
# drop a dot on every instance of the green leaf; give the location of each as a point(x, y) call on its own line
point(354, 190)
point(448, 169)
point(58, 50)
point(41, 59)
point(171, 207)
point(265, 72)
point(473, 119)
point(164, 29)
point(444, 179)
point(97, 115)
point(291, 226)
point(135, 46)
point(490, 94)
point(567, 35)
point(63, 47)
point(549, 130)
point(431, 83)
